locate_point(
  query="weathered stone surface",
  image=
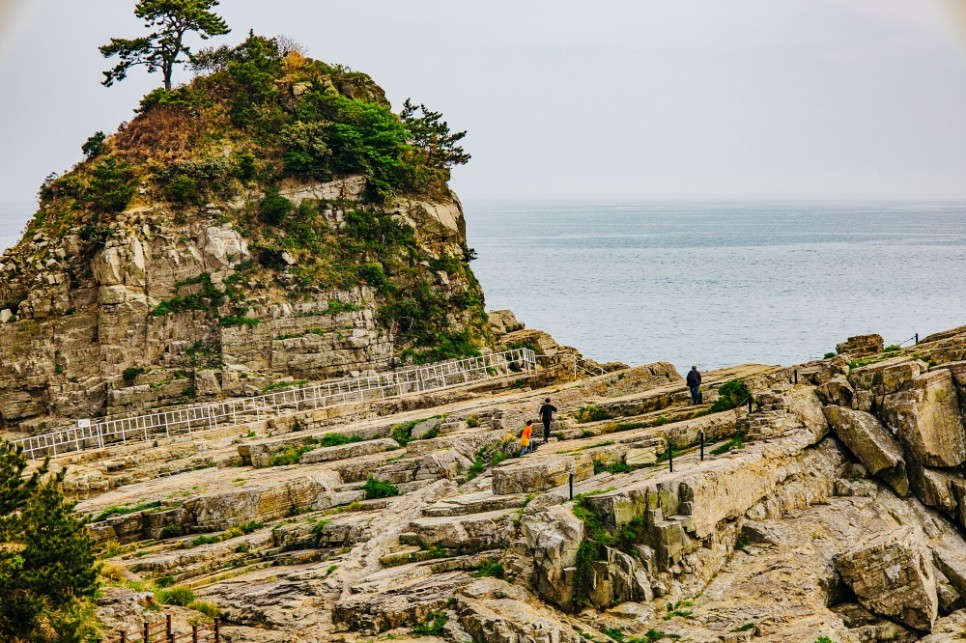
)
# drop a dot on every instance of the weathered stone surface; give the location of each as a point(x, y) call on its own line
point(495, 611)
point(472, 503)
point(466, 534)
point(836, 391)
point(424, 428)
point(618, 578)
point(503, 322)
point(351, 450)
point(871, 443)
point(892, 576)
point(642, 457)
point(933, 488)
point(553, 538)
point(861, 345)
point(408, 602)
point(528, 475)
point(223, 510)
point(926, 418)
point(887, 376)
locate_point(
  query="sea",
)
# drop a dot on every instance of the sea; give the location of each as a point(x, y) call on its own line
point(710, 284)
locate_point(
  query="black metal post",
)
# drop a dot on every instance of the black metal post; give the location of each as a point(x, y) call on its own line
point(571, 486)
point(917, 338)
point(147, 632)
point(169, 629)
point(796, 376)
point(670, 456)
point(749, 403)
point(217, 632)
point(701, 433)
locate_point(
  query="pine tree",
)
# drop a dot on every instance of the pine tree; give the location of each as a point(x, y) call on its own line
point(47, 562)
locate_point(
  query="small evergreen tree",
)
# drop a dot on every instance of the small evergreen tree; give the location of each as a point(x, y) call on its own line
point(431, 134)
point(47, 562)
point(163, 48)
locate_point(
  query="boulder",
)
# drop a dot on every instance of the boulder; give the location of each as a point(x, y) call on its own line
point(933, 488)
point(887, 376)
point(926, 418)
point(493, 610)
point(618, 578)
point(530, 474)
point(553, 538)
point(892, 576)
point(503, 322)
point(351, 450)
point(861, 345)
point(836, 391)
point(872, 444)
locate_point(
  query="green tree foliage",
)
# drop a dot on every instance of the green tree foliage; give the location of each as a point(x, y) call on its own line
point(93, 146)
point(431, 136)
point(164, 47)
point(113, 184)
point(47, 563)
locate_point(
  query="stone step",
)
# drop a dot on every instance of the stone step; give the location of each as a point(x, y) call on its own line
point(464, 534)
point(474, 503)
point(538, 472)
point(412, 554)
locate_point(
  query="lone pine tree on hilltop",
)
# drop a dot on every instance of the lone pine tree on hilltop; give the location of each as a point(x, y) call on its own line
point(163, 49)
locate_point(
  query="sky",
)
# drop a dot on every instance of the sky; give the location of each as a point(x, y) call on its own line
point(695, 99)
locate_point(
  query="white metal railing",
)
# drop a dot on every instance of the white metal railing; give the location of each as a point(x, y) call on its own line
point(96, 434)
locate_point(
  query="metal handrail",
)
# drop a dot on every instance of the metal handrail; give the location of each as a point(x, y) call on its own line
point(96, 434)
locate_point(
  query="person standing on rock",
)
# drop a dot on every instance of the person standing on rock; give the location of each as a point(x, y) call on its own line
point(694, 381)
point(546, 416)
point(525, 438)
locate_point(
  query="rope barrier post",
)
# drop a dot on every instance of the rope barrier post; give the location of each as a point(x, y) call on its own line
point(168, 630)
point(750, 401)
point(796, 376)
point(147, 632)
point(123, 637)
point(670, 456)
point(917, 339)
point(571, 486)
point(217, 632)
point(701, 433)
point(194, 634)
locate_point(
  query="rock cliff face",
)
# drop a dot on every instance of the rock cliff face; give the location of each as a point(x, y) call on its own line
point(827, 509)
point(223, 241)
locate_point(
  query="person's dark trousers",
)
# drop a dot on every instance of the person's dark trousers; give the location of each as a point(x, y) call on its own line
point(546, 430)
point(694, 393)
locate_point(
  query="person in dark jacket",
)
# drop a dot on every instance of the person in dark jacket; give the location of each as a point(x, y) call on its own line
point(546, 415)
point(694, 381)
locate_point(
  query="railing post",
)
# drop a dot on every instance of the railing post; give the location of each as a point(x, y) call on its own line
point(701, 433)
point(571, 485)
point(194, 634)
point(670, 456)
point(917, 338)
point(750, 401)
point(168, 630)
point(217, 631)
point(147, 632)
point(796, 376)
point(123, 636)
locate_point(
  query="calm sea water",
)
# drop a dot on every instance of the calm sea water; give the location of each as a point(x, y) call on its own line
point(716, 284)
point(711, 284)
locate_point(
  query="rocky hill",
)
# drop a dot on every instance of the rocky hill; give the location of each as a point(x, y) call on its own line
point(271, 219)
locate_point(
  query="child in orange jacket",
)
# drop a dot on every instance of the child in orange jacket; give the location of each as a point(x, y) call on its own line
point(525, 438)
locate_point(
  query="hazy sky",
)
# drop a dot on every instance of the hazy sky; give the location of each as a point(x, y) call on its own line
point(614, 98)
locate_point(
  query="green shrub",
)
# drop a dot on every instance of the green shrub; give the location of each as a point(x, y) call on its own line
point(177, 595)
point(204, 540)
point(830, 355)
point(121, 510)
point(732, 394)
point(824, 639)
point(433, 625)
point(490, 568)
point(170, 531)
point(165, 581)
point(891, 348)
point(250, 527)
point(593, 413)
point(274, 207)
point(94, 145)
point(113, 185)
point(613, 467)
point(337, 439)
point(379, 489)
point(231, 321)
point(737, 442)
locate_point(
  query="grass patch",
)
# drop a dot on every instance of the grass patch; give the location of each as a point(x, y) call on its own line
point(613, 467)
point(123, 510)
point(731, 394)
point(379, 489)
point(737, 443)
point(176, 595)
point(490, 568)
point(337, 439)
point(433, 625)
point(593, 413)
point(679, 608)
